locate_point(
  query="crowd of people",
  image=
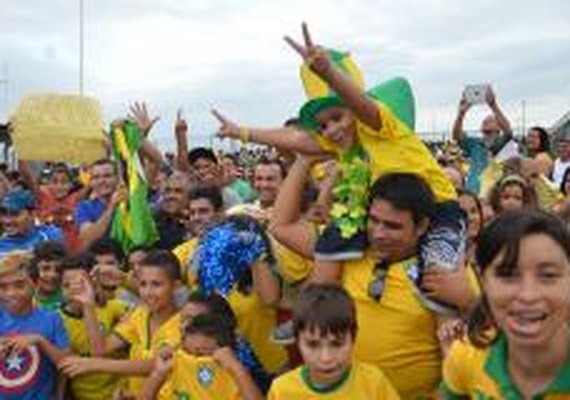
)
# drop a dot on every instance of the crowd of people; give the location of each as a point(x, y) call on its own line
point(340, 259)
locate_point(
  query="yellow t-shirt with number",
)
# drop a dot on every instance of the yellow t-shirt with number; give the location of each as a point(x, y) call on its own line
point(396, 148)
point(98, 385)
point(471, 372)
point(363, 381)
point(135, 331)
point(198, 378)
point(397, 333)
point(256, 321)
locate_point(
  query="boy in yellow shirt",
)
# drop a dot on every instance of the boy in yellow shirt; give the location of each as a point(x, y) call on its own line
point(371, 133)
point(78, 294)
point(204, 367)
point(325, 328)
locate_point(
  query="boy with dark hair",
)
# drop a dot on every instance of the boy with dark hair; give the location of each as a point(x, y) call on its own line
point(46, 272)
point(82, 308)
point(108, 266)
point(32, 340)
point(325, 328)
point(203, 368)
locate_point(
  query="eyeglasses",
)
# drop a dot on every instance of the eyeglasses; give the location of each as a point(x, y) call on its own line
point(376, 285)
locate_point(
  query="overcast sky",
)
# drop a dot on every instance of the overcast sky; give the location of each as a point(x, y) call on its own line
point(230, 53)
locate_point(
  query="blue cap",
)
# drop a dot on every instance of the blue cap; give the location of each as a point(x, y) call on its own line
point(17, 200)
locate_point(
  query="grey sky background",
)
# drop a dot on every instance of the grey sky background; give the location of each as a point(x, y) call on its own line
point(230, 54)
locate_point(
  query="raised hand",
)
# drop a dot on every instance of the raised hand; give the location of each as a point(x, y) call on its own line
point(139, 114)
point(490, 98)
point(181, 127)
point(464, 105)
point(228, 129)
point(226, 358)
point(84, 293)
point(314, 55)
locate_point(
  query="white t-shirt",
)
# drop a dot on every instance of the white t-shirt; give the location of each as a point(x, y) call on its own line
point(559, 170)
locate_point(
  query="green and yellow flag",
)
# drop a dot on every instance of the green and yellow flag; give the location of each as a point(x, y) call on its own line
point(133, 224)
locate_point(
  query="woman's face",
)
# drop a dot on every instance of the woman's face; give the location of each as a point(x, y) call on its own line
point(533, 140)
point(474, 217)
point(531, 305)
point(512, 197)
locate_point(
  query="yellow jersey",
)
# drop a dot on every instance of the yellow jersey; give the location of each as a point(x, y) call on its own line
point(396, 333)
point(198, 378)
point(395, 148)
point(471, 372)
point(135, 331)
point(363, 381)
point(98, 385)
point(256, 321)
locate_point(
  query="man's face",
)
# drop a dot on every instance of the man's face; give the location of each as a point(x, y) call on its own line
point(16, 291)
point(392, 233)
point(202, 213)
point(104, 180)
point(17, 223)
point(490, 130)
point(175, 195)
point(206, 171)
point(267, 180)
point(564, 149)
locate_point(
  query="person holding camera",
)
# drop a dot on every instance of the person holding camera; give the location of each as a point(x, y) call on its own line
point(495, 133)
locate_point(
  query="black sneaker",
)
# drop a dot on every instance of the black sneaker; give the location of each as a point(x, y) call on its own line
point(331, 246)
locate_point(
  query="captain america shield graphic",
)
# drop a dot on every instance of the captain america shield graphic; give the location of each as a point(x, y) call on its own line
point(18, 372)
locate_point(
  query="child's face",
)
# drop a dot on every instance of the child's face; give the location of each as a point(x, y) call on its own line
point(135, 262)
point(71, 279)
point(60, 185)
point(49, 277)
point(108, 272)
point(512, 197)
point(326, 356)
point(338, 125)
point(156, 289)
point(16, 291)
point(200, 345)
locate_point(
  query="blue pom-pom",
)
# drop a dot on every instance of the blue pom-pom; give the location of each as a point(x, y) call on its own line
point(225, 252)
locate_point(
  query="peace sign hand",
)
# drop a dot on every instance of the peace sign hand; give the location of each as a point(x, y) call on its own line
point(228, 129)
point(313, 55)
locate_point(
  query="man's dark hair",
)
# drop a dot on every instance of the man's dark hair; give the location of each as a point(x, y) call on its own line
point(105, 161)
point(273, 161)
point(201, 152)
point(210, 193)
point(406, 192)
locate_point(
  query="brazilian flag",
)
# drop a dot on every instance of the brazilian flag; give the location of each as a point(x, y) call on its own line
point(133, 224)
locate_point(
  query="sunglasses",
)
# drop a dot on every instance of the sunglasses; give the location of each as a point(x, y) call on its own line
point(377, 284)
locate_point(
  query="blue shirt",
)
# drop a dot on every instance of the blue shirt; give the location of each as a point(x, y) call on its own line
point(31, 375)
point(89, 211)
point(37, 234)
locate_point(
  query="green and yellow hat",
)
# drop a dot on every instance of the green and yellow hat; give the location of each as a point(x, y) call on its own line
point(395, 93)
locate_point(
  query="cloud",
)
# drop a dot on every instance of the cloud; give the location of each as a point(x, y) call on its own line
point(230, 54)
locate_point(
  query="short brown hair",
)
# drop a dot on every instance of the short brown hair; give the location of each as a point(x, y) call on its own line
point(326, 307)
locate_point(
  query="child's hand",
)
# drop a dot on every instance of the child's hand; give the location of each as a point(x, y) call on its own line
point(314, 56)
point(228, 129)
point(165, 360)
point(449, 331)
point(17, 344)
point(84, 292)
point(73, 366)
point(226, 358)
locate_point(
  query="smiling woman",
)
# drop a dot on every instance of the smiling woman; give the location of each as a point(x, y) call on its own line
point(519, 335)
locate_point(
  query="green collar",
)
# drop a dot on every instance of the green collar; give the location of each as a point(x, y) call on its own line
point(496, 366)
point(320, 388)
